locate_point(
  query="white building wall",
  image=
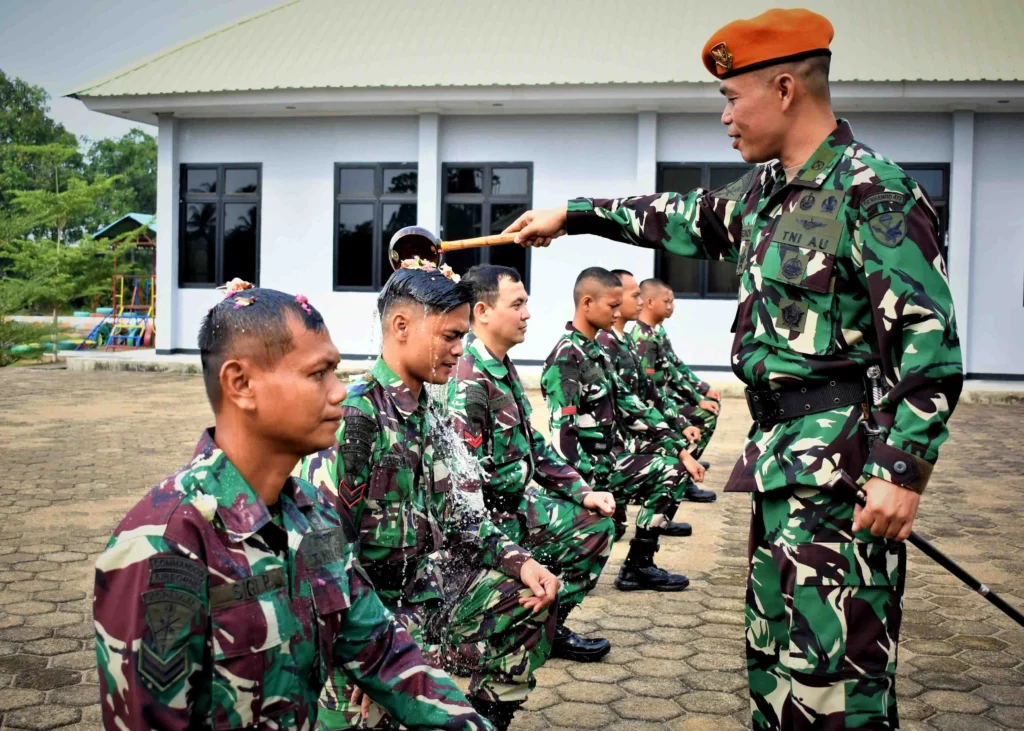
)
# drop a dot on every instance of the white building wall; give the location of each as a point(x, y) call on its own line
point(996, 315)
point(596, 155)
point(592, 155)
point(296, 231)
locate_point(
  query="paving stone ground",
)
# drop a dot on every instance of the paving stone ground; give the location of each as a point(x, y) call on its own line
point(78, 449)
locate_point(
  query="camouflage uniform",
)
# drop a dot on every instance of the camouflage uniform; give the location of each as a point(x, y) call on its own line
point(840, 269)
point(490, 410)
point(213, 611)
point(449, 575)
point(587, 405)
point(682, 389)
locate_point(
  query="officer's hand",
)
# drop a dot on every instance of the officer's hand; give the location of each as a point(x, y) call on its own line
point(890, 510)
point(542, 582)
point(711, 406)
point(692, 434)
point(695, 468)
point(362, 700)
point(714, 394)
point(602, 502)
point(538, 227)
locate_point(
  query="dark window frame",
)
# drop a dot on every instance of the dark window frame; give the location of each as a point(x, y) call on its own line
point(486, 199)
point(941, 204)
point(378, 199)
point(218, 198)
point(702, 264)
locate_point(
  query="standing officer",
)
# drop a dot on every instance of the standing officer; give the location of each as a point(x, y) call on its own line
point(840, 270)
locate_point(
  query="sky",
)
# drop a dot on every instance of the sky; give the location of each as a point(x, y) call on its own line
point(62, 45)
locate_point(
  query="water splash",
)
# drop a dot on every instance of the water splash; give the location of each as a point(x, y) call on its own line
point(464, 469)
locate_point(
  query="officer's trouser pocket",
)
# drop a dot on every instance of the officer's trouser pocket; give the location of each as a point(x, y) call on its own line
point(846, 608)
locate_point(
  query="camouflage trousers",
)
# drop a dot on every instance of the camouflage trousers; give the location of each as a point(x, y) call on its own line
point(703, 420)
point(480, 631)
point(655, 481)
point(823, 614)
point(569, 539)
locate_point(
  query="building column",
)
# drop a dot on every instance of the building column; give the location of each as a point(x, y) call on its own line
point(428, 198)
point(167, 183)
point(646, 152)
point(961, 194)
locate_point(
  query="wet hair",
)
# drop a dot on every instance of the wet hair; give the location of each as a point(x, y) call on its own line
point(430, 289)
point(259, 330)
point(485, 279)
point(596, 275)
point(651, 287)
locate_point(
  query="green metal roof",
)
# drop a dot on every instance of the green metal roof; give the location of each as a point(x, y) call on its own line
point(337, 44)
point(138, 219)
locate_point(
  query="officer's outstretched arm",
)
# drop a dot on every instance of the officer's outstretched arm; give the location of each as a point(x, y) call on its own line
point(913, 316)
point(696, 224)
point(150, 635)
point(382, 658)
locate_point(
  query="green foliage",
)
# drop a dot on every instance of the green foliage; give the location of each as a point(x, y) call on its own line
point(131, 158)
point(20, 340)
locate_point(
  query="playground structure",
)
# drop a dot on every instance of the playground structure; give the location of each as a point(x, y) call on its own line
point(130, 322)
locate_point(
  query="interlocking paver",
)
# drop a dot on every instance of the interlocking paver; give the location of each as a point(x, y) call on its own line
point(76, 458)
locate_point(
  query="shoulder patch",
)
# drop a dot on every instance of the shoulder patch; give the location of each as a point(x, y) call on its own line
point(169, 614)
point(736, 190)
point(321, 547)
point(177, 570)
point(476, 406)
point(591, 372)
point(889, 198)
point(889, 229)
point(569, 378)
point(360, 435)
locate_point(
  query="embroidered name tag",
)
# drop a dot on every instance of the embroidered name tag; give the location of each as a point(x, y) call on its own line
point(591, 372)
point(808, 232)
point(503, 400)
point(235, 592)
point(322, 547)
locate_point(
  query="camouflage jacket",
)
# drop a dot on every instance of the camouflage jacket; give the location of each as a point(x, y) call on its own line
point(212, 611)
point(625, 359)
point(662, 366)
point(491, 412)
point(840, 269)
point(701, 386)
point(388, 477)
point(587, 402)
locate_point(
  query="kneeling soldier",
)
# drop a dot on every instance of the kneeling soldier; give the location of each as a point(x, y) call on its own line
point(587, 403)
point(231, 591)
point(477, 602)
point(558, 523)
point(686, 395)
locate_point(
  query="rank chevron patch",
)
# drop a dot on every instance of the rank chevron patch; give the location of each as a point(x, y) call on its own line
point(472, 441)
point(350, 495)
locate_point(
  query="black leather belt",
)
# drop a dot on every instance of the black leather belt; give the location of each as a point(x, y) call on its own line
point(502, 502)
point(769, 407)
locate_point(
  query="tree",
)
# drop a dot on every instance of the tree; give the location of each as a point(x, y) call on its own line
point(132, 158)
point(24, 121)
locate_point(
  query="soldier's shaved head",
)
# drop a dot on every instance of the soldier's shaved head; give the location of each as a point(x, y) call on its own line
point(430, 290)
point(252, 324)
point(652, 287)
point(593, 281)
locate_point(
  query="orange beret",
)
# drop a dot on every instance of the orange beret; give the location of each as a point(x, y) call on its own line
point(773, 37)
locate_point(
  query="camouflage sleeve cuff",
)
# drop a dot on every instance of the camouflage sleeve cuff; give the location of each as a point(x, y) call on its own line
point(898, 467)
point(581, 218)
point(512, 558)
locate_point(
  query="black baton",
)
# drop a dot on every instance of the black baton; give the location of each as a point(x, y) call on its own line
point(844, 487)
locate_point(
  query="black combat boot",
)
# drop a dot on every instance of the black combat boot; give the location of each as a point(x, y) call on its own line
point(678, 530)
point(619, 518)
point(571, 646)
point(695, 495)
point(638, 571)
point(499, 713)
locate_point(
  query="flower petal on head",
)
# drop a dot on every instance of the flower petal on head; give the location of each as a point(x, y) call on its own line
point(243, 301)
point(234, 286)
point(303, 302)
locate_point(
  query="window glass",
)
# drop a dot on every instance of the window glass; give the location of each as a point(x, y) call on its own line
point(509, 181)
point(201, 180)
point(356, 182)
point(199, 259)
point(354, 254)
point(238, 180)
point(465, 180)
point(240, 227)
point(394, 216)
point(400, 181)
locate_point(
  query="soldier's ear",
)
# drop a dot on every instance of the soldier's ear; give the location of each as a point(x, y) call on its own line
point(783, 88)
point(400, 326)
point(236, 384)
point(481, 312)
point(586, 301)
